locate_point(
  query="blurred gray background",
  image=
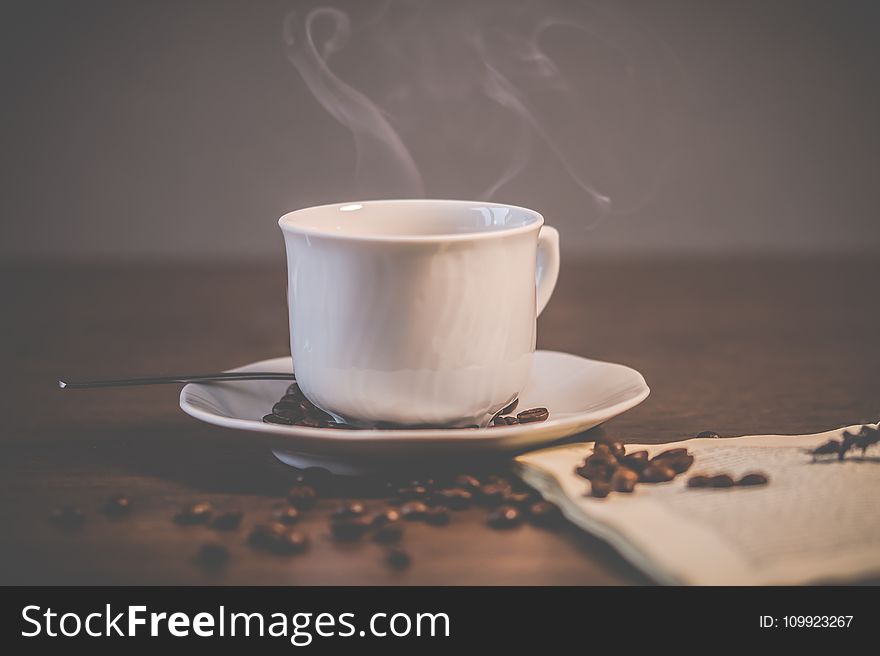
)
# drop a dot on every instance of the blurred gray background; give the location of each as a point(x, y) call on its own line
point(182, 128)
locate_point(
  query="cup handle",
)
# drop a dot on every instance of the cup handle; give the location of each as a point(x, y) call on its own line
point(547, 269)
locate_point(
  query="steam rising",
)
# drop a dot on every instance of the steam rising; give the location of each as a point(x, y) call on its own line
point(471, 85)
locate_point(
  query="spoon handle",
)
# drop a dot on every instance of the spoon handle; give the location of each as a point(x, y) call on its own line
point(164, 380)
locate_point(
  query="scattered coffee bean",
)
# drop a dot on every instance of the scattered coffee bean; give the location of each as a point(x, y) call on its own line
point(294, 390)
point(437, 516)
point(455, 498)
point(117, 507)
point(519, 499)
point(831, 447)
point(279, 539)
point(467, 482)
point(711, 434)
point(671, 453)
point(198, 513)
point(286, 515)
point(302, 497)
point(384, 517)
point(492, 493)
point(543, 513)
point(389, 533)
point(349, 511)
point(533, 414)
point(624, 480)
point(607, 445)
point(398, 559)
point(636, 461)
point(413, 511)
point(68, 517)
point(276, 419)
point(212, 556)
point(504, 517)
point(680, 463)
point(721, 480)
point(410, 493)
point(656, 472)
point(228, 520)
point(753, 478)
point(505, 421)
point(600, 489)
point(699, 481)
point(349, 530)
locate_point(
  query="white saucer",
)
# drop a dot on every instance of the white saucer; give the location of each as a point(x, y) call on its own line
point(579, 393)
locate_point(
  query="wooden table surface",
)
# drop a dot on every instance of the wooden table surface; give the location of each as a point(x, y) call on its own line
point(739, 346)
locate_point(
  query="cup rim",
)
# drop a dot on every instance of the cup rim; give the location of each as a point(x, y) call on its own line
point(287, 226)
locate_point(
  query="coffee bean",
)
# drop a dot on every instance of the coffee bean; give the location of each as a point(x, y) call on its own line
point(656, 472)
point(212, 556)
point(264, 536)
point(286, 515)
point(389, 533)
point(518, 499)
point(671, 453)
point(228, 520)
point(117, 507)
point(198, 513)
point(624, 480)
point(753, 478)
point(277, 419)
point(410, 493)
point(504, 517)
point(699, 481)
point(600, 489)
point(68, 517)
point(505, 421)
point(349, 511)
point(437, 516)
point(467, 482)
point(413, 510)
point(828, 448)
point(533, 414)
point(277, 538)
point(349, 530)
point(679, 464)
point(293, 390)
point(384, 517)
point(602, 453)
point(636, 461)
point(721, 480)
point(492, 493)
point(455, 498)
point(506, 410)
point(543, 513)
point(712, 434)
point(609, 445)
point(398, 559)
point(302, 497)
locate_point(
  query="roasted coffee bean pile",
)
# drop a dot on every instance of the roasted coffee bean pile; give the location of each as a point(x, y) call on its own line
point(611, 469)
point(294, 409)
point(867, 437)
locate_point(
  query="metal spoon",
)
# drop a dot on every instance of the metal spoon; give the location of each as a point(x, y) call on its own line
point(163, 380)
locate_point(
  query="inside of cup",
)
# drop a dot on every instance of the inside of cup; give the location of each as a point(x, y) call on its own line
point(411, 218)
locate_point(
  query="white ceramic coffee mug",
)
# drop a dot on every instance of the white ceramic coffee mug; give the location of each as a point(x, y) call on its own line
point(417, 312)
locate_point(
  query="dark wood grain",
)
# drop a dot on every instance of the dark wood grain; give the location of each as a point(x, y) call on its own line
point(738, 346)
